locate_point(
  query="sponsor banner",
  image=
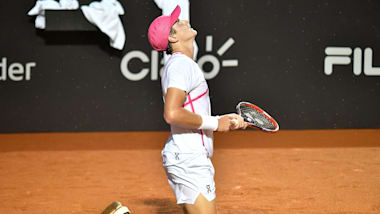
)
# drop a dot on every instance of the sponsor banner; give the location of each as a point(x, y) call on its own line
point(311, 65)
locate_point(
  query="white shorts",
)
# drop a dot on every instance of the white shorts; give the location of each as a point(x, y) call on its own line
point(189, 174)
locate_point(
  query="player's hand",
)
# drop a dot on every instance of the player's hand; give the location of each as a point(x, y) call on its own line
point(237, 122)
point(224, 123)
point(231, 122)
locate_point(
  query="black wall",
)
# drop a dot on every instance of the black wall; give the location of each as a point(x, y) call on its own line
point(76, 83)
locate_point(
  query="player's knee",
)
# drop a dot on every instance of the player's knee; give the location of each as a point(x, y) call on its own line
point(201, 206)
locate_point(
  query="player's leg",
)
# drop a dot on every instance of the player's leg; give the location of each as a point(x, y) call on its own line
point(201, 206)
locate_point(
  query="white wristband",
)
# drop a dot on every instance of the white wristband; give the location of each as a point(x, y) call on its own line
point(209, 122)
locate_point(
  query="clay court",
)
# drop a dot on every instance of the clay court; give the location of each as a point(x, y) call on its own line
point(334, 171)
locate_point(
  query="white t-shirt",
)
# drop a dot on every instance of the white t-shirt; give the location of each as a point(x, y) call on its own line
point(183, 73)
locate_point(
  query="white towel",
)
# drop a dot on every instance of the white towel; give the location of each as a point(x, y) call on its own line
point(105, 15)
point(167, 6)
point(42, 5)
point(69, 4)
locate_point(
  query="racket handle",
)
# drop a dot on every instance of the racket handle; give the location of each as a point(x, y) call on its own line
point(234, 122)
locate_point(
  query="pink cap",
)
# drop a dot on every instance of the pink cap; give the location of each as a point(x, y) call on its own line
point(159, 30)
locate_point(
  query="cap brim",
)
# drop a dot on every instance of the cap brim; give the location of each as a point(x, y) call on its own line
point(174, 15)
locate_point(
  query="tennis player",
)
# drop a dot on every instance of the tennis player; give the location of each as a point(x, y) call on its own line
point(187, 152)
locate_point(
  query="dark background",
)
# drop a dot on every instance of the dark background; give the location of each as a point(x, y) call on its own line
point(77, 84)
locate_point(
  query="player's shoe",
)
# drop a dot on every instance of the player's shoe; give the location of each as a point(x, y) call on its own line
point(116, 208)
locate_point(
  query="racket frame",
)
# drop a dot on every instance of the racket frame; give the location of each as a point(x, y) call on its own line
point(277, 127)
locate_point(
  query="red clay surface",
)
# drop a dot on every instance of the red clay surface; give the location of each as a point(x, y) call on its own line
point(311, 172)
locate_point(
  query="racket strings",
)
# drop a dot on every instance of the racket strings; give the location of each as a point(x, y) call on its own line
point(255, 117)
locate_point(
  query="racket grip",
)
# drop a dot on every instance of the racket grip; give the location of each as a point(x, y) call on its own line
point(234, 122)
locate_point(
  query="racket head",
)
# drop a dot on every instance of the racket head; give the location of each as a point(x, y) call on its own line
point(256, 117)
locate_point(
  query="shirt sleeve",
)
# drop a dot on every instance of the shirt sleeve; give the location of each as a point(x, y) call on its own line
point(179, 75)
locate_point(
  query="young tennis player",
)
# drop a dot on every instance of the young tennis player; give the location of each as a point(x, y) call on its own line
point(187, 152)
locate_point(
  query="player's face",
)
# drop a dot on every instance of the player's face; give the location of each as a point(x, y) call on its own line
point(184, 31)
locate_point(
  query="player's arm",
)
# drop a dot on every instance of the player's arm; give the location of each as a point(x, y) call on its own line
point(174, 113)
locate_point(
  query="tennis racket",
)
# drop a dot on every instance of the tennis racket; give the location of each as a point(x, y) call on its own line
point(256, 117)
